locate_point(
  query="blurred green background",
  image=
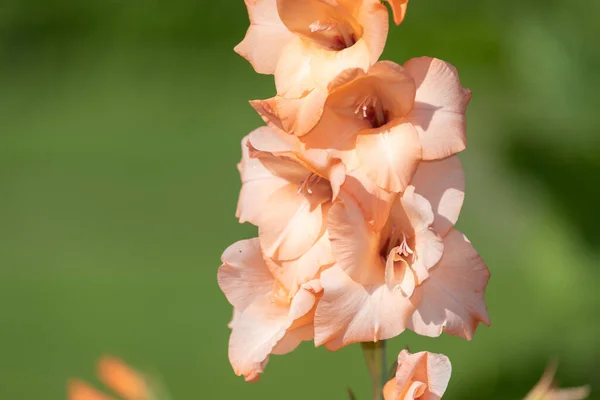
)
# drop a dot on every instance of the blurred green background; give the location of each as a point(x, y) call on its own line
point(120, 124)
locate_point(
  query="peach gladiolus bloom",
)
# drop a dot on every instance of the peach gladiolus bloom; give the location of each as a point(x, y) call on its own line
point(546, 389)
point(273, 302)
point(305, 43)
point(286, 192)
point(116, 375)
point(389, 118)
point(421, 375)
point(417, 272)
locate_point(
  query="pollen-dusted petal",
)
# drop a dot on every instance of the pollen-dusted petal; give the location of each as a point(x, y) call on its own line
point(389, 155)
point(292, 222)
point(452, 298)
point(440, 105)
point(442, 183)
point(349, 312)
point(79, 390)
point(399, 10)
point(266, 37)
point(244, 277)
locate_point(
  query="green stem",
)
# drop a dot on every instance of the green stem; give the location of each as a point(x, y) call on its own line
point(376, 363)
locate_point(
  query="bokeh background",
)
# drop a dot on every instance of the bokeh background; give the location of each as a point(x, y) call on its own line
point(120, 128)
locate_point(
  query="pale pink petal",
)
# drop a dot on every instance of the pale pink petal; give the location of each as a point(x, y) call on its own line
point(326, 65)
point(349, 312)
point(398, 273)
point(442, 183)
point(354, 243)
point(293, 74)
point(305, 268)
point(336, 133)
point(431, 373)
point(266, 37)
point(428, 244)
point(293, 338)
point(265, 139)
point(452, 298)
point(293, 115)
point(389, 390)
point(417, 209)
point(415, 391)
point(374, 201)
point(399, 10)
point(394, 86)
point(440, 105)
point(373, 16)
point(303, 67)
point(389, 155)
point(244, 276)
point(291, 222)
point(258, 183)
point(260, 327)
point(298, 161)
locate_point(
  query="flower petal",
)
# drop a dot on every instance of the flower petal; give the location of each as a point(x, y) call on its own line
point(287, 148)
point(389, 390)
point(354, 244)
point(373, 16)
point(300, 16)
point(389, 155)
point(292, 222)
point(349, 312)
point(428, 245)
point(399, 10)
point(244, 276)
point(303, 67)
point(258, 183)
point(122, 379)
point(394, 87)
point(440, 105)
point(266, 37)
point(374, 201)
point(260, 327)
point(398, 273)
point(296, 116)
point(79, 390)
point(442, 183)
point(452, 298)
point(431, 370)
point(305, 268)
